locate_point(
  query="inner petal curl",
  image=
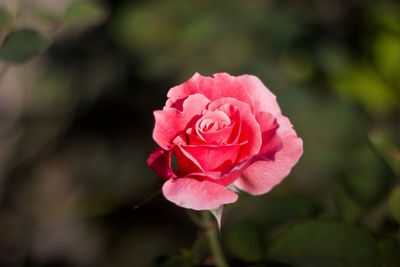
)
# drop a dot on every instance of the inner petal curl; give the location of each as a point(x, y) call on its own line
point(212, 121)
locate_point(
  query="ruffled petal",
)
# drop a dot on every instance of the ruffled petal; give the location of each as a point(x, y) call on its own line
point(271, 141)
point(263, 99)
point(170, 122)
point(198, 195)
point(263, 175)
point(222, 136)
point(219, 86)
point(249, 127)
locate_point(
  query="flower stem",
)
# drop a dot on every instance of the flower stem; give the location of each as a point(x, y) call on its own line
point(213, 238)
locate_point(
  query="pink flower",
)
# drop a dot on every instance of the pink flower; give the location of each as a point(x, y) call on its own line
point(224, 131)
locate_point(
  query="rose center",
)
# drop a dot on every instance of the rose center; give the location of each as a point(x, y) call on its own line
point(213, 121)
point(211, 125)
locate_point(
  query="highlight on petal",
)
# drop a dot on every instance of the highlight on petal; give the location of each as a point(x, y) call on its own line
point(216, 87)
point(160, 162)
point(263, 98)
point(169, 122)
point(198, 195)
point(263, 175)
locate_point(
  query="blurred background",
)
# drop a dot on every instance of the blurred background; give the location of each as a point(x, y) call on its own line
point(76, 123)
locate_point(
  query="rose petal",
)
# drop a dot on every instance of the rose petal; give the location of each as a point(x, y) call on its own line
point(263, 99)
point(169, 122)
point(160, 162)
point(198, 195)
point(250, 129)
point(186, 162)
point(271, 142)
point(220, 137)
point(212, 121)
point(263, 175)
point(219, 133)
point(219, 86)
point(214, 158)
point(226, 177)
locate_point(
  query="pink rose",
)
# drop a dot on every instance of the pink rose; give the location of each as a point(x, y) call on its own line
point(223, 131)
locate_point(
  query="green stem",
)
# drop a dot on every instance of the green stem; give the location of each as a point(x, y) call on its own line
point(213, 238)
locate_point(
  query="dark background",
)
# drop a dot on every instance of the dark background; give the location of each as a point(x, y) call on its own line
point(76, 123)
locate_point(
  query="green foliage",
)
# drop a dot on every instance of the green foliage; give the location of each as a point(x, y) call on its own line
point(390, 250)
point(385, 149)
point(394, 203)
point(199, 251)
point(167, 34)
point(326, 244)
point(365, 187)
point(84, 13)
point(5, 20)
point(349, 209)
point(386, 15)
point(364, 85)
point(386, 48)
point(298, 66)
point(21, 45)
point(277, 210)
point(245, 241)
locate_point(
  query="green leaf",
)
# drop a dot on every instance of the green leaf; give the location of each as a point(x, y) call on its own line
point(326, 244)
point(84, 13)
point(245, 241)
point(394, 203)
point(5, 20)
point(21, 45)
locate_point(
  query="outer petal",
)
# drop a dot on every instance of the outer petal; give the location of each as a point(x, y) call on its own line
point(262, 176)
point(160, 162)
point(229, 176)
point(263, 99)
point(169, 122)
point(198, 195)
point(271, 142)
point(219, 86)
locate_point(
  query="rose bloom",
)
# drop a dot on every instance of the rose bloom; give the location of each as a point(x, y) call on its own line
point(223, 130)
